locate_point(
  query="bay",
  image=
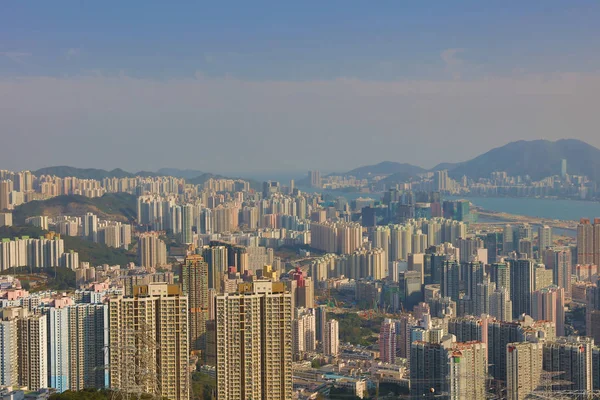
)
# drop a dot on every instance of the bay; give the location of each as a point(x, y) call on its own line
point(533, 207)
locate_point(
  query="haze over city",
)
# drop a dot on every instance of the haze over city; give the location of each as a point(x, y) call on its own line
point(299, 200)
point(288, 87)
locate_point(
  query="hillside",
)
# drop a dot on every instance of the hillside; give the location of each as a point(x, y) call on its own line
point(94, 253)
point(83, 173)
point(537, 158)
point(114, 206)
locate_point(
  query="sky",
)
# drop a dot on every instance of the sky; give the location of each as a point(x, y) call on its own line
point(255, 87)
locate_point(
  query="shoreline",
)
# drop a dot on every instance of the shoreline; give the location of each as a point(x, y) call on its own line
point(504, 218)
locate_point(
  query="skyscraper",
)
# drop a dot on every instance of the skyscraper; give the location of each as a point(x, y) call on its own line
point(9, 355)
point(450, 280)
point(467, 365)
point(522, 284)
point(315, 179)
point(254, 342)
point(429, 370)
point(89, 227)
point(500, 275)
point(508, 237)
point(58, 349)
point(585, 242)
point(321, 323)
point(149, 341)
point(194, 282)
point(304, 332)
point(572, 357)
point(523, 369)
point(387, 341)
point(332, 338)
point(544, 237)
point(152, 251)
point(501, 305)
point(32, 348)
point(187, 220)
point(548, 304)
point(217, 259)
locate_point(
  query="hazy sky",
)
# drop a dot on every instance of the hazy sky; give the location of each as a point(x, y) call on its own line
point(234, 87)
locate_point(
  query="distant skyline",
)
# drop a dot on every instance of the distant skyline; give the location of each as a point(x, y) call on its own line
point(270, 86)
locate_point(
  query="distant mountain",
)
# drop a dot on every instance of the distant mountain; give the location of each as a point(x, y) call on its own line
point(203, 177)
point(537, 158)
point(113, 206)
point(83, 173)
point(180, 173)
point(386, 168)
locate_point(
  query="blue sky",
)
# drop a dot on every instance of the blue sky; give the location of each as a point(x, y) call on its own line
point(281, 84)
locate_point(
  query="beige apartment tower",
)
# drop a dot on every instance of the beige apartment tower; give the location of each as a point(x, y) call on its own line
point(254, 342)
point(148, 342)
point(193, 276)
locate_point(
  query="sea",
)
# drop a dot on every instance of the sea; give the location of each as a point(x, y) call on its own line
point(567, 210)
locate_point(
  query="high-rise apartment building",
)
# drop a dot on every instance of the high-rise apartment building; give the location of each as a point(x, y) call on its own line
point(88, 344)
point(315, 179)
point(148, 341)
point(9, 354)
point(381, 239)
point(467, 366)
point(571, 358)
point(522, 285)
point(321, 323)
point(89, 227)
point(501, 305)
point(387, 341)
point(429, 371)
point(254, 342)
point(585, 242)
point(544, 237)
point(331, 344)
point(152, 251)
point(32, 348)
point(187, 221)
point(6, 187)
point(450, 286)
point(508, 239)
point(548, 304)
point(217, 259)
point(523, 369)
point(193, 276)
point(304, 332)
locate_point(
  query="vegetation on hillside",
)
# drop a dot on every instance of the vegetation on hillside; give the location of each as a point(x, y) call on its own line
point(36, 279)
point(203, 386)
point(114, 206)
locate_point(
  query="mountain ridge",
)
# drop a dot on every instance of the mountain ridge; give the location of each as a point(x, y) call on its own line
point(537, 158)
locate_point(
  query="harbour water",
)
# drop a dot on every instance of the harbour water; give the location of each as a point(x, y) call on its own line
point(540, 208)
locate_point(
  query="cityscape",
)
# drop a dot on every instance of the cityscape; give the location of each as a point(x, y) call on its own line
point(280, 292)
point(299, 200)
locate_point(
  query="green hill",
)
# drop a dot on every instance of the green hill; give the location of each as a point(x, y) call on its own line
point(113, 206)
point(94, 253)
